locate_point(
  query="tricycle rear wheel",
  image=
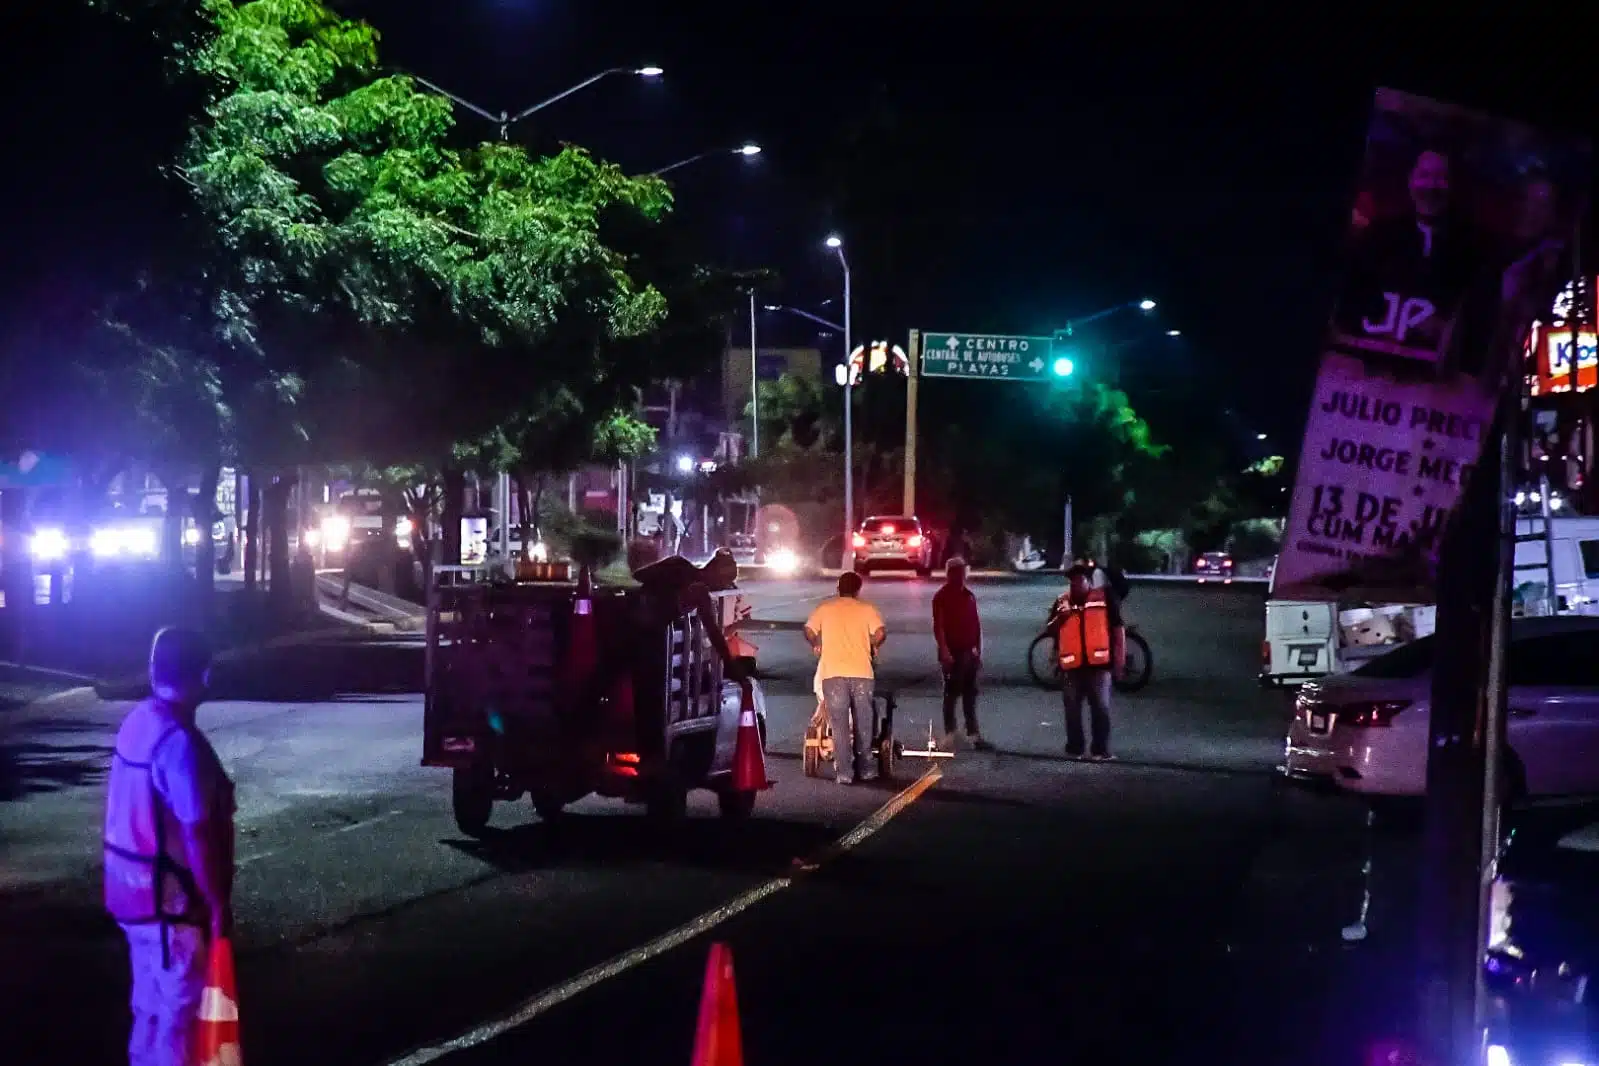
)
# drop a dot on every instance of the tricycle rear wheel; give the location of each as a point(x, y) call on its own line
point(472, 798)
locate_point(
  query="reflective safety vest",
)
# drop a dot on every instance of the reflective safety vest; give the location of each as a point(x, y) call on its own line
point(1084, 635)
point(144, 883)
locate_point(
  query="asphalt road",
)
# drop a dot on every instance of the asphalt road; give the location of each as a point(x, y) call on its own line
point(1178, 902)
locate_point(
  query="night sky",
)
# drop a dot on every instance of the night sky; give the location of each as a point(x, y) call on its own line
point(988, 174)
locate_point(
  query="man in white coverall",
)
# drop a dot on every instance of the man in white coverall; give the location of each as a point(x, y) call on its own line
point(168, 850)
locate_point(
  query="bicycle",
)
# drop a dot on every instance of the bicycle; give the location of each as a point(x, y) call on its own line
point(1044, 666)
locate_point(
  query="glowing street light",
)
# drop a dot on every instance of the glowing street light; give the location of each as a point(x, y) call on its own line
point(835, 241)
point(649, 72)
point(685, 464)
point(1174, 333)
point(747, 149)
point(1063, 368)
point(1146, 305)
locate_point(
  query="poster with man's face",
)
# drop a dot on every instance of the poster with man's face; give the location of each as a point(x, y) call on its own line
point(1457, 242)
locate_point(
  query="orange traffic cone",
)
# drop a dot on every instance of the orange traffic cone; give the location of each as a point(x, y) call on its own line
point(717, 1042)
point(216, 1040)
point(749, 761)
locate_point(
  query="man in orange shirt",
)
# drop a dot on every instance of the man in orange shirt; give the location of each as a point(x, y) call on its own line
point(846, 632)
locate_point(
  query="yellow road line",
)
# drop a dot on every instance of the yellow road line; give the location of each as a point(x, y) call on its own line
point(576, 986)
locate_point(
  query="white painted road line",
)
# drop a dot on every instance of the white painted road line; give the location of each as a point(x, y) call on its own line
point(554, 997)
point(365, 823)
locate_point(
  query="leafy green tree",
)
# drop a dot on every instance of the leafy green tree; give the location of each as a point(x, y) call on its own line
point(340, 240)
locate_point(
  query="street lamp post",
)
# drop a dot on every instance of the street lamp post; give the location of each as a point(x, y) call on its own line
point(747, 149)
point(837, 244)
point(755, 387)
point(506, 120)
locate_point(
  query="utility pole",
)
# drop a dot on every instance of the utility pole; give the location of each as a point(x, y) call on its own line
point(913, 355)
point(755, 387)
point(1465, 737)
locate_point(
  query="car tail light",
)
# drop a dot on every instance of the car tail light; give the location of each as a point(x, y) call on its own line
point(858, 540)
point(1227, 563)
point(1375, 715)
point(1203, 563)
point(913, 541)
point(1265, 653)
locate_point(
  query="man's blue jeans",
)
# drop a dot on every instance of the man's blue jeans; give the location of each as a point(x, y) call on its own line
point(1091, 685)
point(849, 713)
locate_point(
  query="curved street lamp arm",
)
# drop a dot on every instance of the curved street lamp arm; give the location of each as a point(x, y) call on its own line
point(834, 326)
point(681, 163)
point(469, 105)
point(558, 97)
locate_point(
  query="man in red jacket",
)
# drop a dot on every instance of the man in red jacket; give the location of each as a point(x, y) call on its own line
point(958, 632)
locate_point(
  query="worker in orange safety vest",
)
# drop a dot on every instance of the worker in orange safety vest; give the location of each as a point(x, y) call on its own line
point(1091, 642)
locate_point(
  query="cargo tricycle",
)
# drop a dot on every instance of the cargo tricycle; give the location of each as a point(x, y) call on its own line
point(559, 690)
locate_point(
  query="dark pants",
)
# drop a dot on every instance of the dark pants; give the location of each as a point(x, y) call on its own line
point(960, 680)
point(1091, 684)
point(849, 711)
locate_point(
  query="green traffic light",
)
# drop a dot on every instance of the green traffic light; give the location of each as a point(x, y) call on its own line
point(1063, 368)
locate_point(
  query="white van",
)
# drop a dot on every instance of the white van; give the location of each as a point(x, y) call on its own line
point(1305, 640)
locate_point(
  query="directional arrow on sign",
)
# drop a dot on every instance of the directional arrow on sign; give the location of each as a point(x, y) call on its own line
point(1037, 365)
point(952, 343)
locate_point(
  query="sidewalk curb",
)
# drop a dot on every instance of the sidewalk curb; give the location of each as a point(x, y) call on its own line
point(226, 655)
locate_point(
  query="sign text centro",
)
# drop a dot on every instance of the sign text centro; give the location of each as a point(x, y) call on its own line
point(985, 355)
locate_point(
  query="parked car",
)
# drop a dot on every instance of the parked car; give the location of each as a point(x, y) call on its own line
point(1543, 938)
point(1367, 729)
point(892, 542)
point(1214, 565)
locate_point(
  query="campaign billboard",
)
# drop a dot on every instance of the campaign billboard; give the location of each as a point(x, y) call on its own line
point(1457, 243)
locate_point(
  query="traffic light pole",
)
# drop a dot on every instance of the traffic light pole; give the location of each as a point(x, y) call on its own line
point(913, 355)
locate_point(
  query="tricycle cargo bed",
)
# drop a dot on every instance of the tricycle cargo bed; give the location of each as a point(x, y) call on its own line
point(544, 680)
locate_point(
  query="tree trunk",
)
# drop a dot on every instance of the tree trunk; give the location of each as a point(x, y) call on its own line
point(16, 569)
point(172, 480)
point(275, 516)
point(524, 524)
point(450, 515)
point(205, 569)
point(534, 510)
point(251, 530)
point(419, 505)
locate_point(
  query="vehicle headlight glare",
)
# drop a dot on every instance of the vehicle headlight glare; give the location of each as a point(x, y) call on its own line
point(49, 545)
point(105, 543)
point(144, 541)
point(335, 532)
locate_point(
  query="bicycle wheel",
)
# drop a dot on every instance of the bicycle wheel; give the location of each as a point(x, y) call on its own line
point(1042, 665)
point(1140, 665)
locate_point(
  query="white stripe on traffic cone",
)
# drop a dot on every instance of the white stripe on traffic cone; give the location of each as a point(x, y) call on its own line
point(215, 1006)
